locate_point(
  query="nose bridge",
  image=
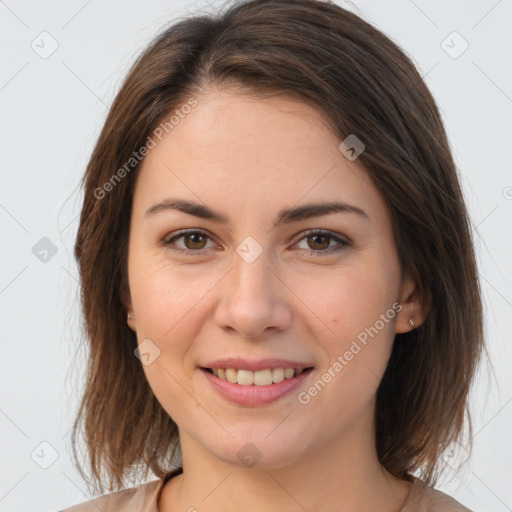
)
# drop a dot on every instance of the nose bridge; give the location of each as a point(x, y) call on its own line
point(251, 275)
point(251, 298)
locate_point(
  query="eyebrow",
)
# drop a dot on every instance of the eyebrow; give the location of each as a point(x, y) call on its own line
point(284, 216)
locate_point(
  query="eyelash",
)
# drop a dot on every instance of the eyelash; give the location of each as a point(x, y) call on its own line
point(342, 243)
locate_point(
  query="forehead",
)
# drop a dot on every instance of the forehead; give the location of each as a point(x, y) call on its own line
point(239, 152)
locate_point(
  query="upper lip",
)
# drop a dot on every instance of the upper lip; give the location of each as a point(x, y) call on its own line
point(262, 364)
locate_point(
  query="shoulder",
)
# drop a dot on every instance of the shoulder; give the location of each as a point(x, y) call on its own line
point(427, 499)
point(138, 499)
point(441, 502)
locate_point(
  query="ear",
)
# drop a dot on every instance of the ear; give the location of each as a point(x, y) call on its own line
point(130, 315)
point(412, 308)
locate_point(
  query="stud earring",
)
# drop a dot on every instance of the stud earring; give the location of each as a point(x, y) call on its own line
point(411, 321)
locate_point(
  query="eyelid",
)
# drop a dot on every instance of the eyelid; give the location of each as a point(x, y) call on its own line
point(342, 242)
point(319, 231)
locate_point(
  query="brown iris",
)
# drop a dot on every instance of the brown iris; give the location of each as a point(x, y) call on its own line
point(195, 243)
point(316, 237)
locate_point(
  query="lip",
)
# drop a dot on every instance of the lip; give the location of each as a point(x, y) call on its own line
point(255, 395)
point(262, 364)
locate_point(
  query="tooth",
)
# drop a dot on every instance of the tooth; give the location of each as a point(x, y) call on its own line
point(245, 377)
point(288, 373)
point(277, 375)
point(262, 377)
point(231, 375)
point(257, 378)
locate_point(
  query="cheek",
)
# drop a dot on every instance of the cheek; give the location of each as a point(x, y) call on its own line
point(348, 300)
point(358, 343)
point(355, 306)
point(167, 300)
point(169, 311)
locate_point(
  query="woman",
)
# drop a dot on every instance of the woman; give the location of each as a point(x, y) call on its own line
point(278, 278)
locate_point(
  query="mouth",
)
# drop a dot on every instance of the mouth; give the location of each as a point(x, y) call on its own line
point(266, 377)
point(256, 388)
point(254, 382)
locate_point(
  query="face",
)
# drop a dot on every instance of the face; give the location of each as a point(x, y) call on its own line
point(262, 279)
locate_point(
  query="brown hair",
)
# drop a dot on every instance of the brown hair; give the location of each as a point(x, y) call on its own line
point(326, 55)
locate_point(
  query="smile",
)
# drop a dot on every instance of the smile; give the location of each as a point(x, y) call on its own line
point(253, 388)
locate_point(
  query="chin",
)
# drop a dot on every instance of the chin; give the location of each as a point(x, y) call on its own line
point(257, 448)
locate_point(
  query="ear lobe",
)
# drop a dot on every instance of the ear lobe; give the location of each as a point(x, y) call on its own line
point(412, 314)
point(130, 320)
point(130, 315)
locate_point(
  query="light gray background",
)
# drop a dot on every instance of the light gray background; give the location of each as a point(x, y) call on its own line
point(52, 110)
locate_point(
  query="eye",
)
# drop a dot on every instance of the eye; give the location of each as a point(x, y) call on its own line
point(319, 241)
point(194, 240)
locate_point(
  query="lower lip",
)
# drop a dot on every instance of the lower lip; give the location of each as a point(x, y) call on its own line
point(255, 395)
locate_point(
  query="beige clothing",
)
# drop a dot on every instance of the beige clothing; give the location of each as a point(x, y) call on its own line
point(144, 498)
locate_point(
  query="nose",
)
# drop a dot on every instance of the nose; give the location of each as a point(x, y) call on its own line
point(254, 301)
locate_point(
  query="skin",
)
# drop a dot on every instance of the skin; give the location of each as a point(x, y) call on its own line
point(248, 158)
